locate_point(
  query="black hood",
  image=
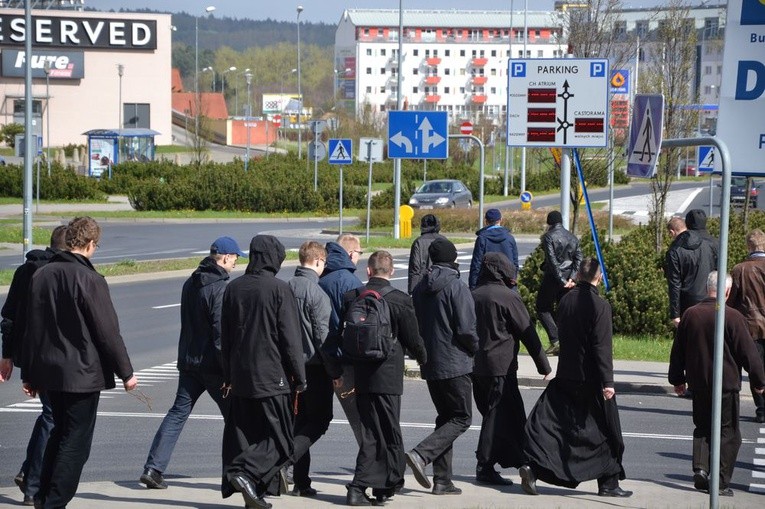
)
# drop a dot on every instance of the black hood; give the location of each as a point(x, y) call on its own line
point(439, 277)
point(266, 253)
point(689, 239)
point(208, 273)
point(496, 268)
point(430, 224)
point(36, 255)
point(696, 219)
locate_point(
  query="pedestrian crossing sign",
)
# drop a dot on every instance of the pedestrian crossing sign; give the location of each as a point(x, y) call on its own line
point(707, 156)
point(645, 135)
point(340, 151)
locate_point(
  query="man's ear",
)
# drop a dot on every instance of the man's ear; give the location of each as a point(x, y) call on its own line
point(369, 271)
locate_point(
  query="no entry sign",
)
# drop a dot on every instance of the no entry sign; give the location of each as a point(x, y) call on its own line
point(466, 128)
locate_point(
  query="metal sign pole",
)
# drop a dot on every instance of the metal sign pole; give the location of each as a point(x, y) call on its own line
point(611, 185)
point(341, 200)
point(369, 186)
point(565, 186)
point(591, 218)
point(480, 182)
point(315, 159)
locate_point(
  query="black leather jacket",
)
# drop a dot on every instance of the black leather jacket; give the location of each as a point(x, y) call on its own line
point(562, 254)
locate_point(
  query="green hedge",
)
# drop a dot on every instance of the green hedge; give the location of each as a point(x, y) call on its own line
point(63, 184)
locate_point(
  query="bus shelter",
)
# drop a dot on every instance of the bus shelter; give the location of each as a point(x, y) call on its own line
point(107, 147)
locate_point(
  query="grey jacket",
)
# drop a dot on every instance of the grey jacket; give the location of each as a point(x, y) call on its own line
point(314, 309)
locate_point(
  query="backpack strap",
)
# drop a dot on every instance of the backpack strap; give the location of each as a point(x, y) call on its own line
point(385, 290)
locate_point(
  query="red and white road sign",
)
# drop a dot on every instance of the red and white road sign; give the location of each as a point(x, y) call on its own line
point(466, 128)
point(277, 119)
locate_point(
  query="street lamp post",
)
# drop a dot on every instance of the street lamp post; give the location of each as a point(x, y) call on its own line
point(212, 87)
point(208, 10)
point(223, 80)
point(300, 92)
point(120, 73)
point(248, 77)
point(46, 67)
point(236, 93)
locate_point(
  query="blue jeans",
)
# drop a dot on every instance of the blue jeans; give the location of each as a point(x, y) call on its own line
point(36, 448)
point(191, 385)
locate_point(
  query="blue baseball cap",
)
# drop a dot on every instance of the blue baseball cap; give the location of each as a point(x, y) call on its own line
point(226, 245)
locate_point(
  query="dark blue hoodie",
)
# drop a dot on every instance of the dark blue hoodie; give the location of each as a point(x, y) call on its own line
point(492, 239)
point(337, 279)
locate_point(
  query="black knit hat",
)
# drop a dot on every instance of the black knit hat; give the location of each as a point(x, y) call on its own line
point(430, 221)
point(554, 218)
point(442, 250)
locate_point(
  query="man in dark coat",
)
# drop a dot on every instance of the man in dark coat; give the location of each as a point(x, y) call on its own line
point(419, 261)
point(747, 295)
point(446, 317)
point(691, 363)
point(689, 261)
point(573, 433)
point(501, 321)
point(28, 478)
point(379, 386)
point(338, 279)
point(199, 353)
point(262, 367)
point(696, 221)
point(492, 238)
point(72, 349)
point(562, 259)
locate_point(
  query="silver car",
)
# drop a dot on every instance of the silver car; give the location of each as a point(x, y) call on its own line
point(441, 194)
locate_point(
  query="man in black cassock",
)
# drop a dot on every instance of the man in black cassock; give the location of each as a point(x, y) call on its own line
point(501, 321)
point(379, 386)
point(573, 433)
point(263, 366)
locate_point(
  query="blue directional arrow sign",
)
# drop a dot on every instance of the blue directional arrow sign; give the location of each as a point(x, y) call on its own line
point(340, 151)
point(418, 135)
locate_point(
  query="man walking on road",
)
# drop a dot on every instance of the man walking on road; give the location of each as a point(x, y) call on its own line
point(199, 353)
point(691, 363)
point(71, 349)
point(492, 238)
point(28, 478)
point(562, 259)
point(262, 367)
point(446, 317)
point(747, 295)
point(419, 260)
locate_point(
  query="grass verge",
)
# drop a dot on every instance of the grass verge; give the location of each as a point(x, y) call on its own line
point(12, 233)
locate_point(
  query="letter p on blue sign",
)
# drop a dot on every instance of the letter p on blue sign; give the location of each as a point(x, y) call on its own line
point(518, 70)
point(597, 69)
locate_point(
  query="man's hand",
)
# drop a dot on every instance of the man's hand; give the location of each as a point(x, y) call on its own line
point(680, 389)
point(6, 368)
point(675, 322)
point(29, 390)
point(608, 392)
point(131, 383)
point(548, 376)
point(569, 284)
point(337, 382)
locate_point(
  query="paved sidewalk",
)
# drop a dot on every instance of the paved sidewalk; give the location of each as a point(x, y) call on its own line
point(205, 494)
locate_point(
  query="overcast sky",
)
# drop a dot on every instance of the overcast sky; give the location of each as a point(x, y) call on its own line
point(327, 11)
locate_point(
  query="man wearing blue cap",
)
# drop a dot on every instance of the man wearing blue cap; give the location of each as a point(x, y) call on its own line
point(492, 238)
point(199, 353)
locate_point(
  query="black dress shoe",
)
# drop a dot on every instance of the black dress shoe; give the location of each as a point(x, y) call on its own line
point(726, 492)
point(153, 479)
point(356, 497)
point(417, 465)
point(759, 418)
point(303, 492)
point(248, 491)
point(528, 480)
point(614, 492)
point(20, 481)
point(446, 489)
point(701, 479)
point(490, 477)
point(28, 501)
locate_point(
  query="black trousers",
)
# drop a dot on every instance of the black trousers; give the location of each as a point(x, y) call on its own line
point(257, 441)
point(550, 293)
point(730, 433)
point(312, 420)
point(504, 417)
point(346, 395)
point(759, 399)
point(454, 404)
point(381, 461)
point(74, 417)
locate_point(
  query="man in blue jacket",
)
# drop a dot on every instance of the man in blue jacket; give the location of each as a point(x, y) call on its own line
point(492, 238)
point(198, 353)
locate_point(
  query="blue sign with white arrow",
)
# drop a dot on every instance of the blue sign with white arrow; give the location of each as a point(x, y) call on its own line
point(418, 135)
point(340, 151)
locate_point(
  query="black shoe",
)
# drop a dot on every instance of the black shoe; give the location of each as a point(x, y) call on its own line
point(759, 418)
point(416, 463)
point(29, 501)
point(701, 479)
point(248, 491)
point(446, 489)
point(614, 492)
point(38, 503)
point(726, 492)
point(356, 497)
point(553, 349)
point(303, 492)
point(284, 486)
point(20, 481)
point(528, 480)
point(153, 479)
point(490, 477)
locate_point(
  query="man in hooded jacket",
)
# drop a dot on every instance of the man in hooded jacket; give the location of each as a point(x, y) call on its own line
point(446, 317)
point(419, 261)
point(501, 321)
point(492, 238)
point(696, 221)
point(262, 367)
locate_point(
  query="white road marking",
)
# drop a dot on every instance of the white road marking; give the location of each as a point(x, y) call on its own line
point(167, 306)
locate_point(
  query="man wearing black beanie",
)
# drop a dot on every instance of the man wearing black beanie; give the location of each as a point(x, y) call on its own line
point(419, 259)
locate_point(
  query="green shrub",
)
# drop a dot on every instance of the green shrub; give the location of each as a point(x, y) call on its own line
point(62, 184)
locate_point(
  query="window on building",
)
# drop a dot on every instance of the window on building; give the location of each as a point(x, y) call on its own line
point(382, 90)
point(641, 28)
point(427, 90)
point(369, 70)
point(416, 71)
point(415, 90)
point(719, 70)
point(415, 52)
point(394, 70)
point(427, 53)
point(136, 115)
point(494, 53)
point(481, 53)
point(462, 52)
point(382, 70)
point(707, 70)
point(447, 71)
point(447, 52)
point(446, 90)
point(620, 29)
point(382, 51)
point(366, 31)
point(493, 72)
point(507, 53)
point(474, 53)
point(493, 90)
point(462, 90)
point(369, 52)
point(459, 33)
point(540, 53)
point(382, 107)
point(435, 52)
point(380, 32)
point(369, 90)
point(641, 55)
point(462, 71)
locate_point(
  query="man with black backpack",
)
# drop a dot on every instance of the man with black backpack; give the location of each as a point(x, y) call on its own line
point(379, 324)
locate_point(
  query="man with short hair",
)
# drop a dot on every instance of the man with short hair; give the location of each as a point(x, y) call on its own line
point(28, 478)
point(262, 367)
point(419, 261)
point(199, 353)
point(492, 238)
point(691, 363)
point(72, 349)
point(446, 316)
point(379, 386)
point(314, 404)
point(562, 259)
point(747, 295)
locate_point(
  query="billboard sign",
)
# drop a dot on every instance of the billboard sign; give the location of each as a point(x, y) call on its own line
point(69, 65)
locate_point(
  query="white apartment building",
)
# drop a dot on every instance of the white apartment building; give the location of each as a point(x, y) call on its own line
point(453, 61)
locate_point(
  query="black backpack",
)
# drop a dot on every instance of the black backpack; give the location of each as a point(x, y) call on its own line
point(368, 333)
